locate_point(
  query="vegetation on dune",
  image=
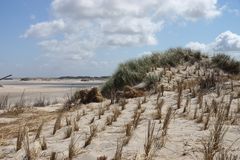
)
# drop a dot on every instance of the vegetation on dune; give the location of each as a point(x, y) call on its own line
point(226, 63)
point(135, 71)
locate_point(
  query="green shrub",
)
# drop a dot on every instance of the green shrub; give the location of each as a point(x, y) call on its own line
point(226, 63)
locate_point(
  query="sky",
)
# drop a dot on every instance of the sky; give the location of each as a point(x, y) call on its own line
point(51, 38)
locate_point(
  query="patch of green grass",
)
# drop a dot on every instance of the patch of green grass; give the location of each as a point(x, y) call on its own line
point(135, 71)
point(226, 63)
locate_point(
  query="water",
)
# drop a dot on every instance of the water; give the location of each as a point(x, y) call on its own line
point(54, 90)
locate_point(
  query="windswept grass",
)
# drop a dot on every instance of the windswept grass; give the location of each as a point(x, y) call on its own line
point(226, 63)
point(135, 71)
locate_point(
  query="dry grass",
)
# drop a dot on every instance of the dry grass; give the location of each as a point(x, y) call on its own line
point(30, 154)
point(73, 149)
point(57, 124)
point(179, 97)
point(128, 133)
point(75, 125)
point(118, 153)
point(164, 128)
point(213, 143)
point(102, 158)
point(53, 156)
point(68, 121)
point(139, 104)
point(109, 120)
point(122, 103)
point(116, 113)
point(93, 132)
point(39, 130)
point(158, 114)
point(20, 137)
point(92, 120)
point(238, 107)
point(228, 107)
point(149, 140)
point(200, 117)
point(68, 132)
point(43, 144)
point(4, 102)
point(136, 118)
point(195, 113)
point(206, 123)
point(101, 111)
point(186, 105)
point(78, 116)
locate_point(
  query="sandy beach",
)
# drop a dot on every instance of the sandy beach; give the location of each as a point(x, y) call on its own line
point(52, 90)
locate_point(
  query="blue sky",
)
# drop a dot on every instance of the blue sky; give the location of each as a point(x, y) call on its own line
point(91, 37)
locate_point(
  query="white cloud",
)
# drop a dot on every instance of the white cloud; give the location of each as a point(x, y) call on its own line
point(112, 23)
point(197, 46)
point(224, 42)
point(189, 9)
point(45, 29)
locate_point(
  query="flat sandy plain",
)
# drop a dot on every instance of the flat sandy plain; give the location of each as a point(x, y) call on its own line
point(51, 90)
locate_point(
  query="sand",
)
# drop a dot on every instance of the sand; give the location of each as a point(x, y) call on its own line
point(183, 140)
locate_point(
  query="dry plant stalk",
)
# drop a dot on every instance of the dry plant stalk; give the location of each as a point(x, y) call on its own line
point(205, 126)
point(228, 107)
point(200, 99)
point(166, 123)
point(92, 120)
point(109, 120)
point(43, 143)
point(20, 137)
point(39, 130)
point(139, 104)
point(68, 121)
point(213, 143)
point(75, 125)
point(84, 112)
point(73, 150)
point(118, 153)
point(100, 112)
point(136, 119)
point(123, 103)
point(144, 99)
point(225, 155)
point(200, 118)
point(128, 133)
point(102, 158)
point(68, 132)
point(238, 107)
point(179, 97)
point(159, 107)
point(78, 117)
point(149, 139)
point(57, 124)
point(186, 105)
point(195, 113)
point(93, 132)
point(116, 113)
point(53, 156)
point(28, 153)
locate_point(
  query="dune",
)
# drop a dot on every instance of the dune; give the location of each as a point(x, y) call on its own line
point(192, 111)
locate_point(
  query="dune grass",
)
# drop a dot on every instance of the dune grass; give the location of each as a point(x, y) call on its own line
point(135, 71)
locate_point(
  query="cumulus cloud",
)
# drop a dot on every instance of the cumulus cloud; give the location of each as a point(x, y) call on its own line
point(45, 29)
point(224, 42)
point(112, 23)
point(189, 9)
